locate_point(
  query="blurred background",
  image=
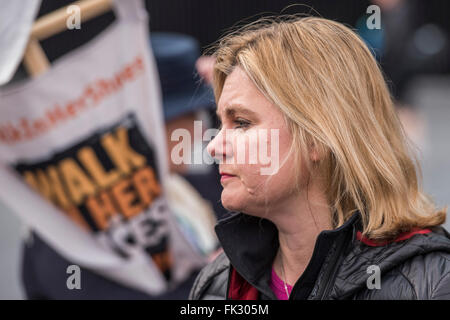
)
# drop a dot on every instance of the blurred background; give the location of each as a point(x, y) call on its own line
point(412, 46)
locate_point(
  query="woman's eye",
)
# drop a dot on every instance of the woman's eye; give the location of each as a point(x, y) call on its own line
point(241, 123)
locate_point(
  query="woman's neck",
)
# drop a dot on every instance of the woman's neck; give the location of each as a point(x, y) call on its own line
point(298, 226)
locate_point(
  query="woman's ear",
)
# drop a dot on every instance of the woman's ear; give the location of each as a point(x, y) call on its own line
point(314, 154)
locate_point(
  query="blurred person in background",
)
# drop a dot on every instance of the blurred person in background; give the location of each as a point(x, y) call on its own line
point(194, 196)
point(44, 270)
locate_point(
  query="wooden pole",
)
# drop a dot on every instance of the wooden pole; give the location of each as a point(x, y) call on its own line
point(35, 60)
point(55, 21)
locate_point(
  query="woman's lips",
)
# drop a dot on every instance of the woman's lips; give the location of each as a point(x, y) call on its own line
point(224, 176)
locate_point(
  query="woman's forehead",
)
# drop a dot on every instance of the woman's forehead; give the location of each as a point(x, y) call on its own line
point(240, 95)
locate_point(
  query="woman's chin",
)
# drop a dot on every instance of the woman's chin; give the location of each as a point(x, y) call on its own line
point(230, 206)
point(230, 201)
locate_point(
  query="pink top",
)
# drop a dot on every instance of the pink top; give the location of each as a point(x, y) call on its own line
point(277, 286)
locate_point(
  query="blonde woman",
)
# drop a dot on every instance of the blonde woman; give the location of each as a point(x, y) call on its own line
point(344, 216)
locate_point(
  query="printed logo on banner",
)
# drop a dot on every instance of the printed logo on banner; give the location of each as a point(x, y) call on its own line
point(109, 184)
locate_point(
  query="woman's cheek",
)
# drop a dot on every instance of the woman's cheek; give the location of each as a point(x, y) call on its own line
point(252, 153)
point(252, 187)
point(245, 147)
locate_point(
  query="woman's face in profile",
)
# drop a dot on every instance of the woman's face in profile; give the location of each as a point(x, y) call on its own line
point(252, 143)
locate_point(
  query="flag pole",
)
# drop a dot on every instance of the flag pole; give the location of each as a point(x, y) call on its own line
point(35, 60)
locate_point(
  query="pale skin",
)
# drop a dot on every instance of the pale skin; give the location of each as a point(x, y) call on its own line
point(298, 216)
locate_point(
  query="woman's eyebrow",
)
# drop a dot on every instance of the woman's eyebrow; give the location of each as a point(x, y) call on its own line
point(233, 109)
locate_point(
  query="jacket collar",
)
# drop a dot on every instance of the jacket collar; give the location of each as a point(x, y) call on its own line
point(251, 244)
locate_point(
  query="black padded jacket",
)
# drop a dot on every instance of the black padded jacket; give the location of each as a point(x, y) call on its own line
point(344, 265)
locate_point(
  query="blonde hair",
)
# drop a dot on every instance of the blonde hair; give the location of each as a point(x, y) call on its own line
point(333, 96)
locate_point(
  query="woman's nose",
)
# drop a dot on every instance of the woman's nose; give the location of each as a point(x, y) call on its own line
point(219, 148)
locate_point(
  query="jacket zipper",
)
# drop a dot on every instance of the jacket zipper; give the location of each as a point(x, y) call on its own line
point(331, 272)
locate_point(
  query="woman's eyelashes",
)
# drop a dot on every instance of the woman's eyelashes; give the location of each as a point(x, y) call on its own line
point(236, 124)
point(241, 124)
